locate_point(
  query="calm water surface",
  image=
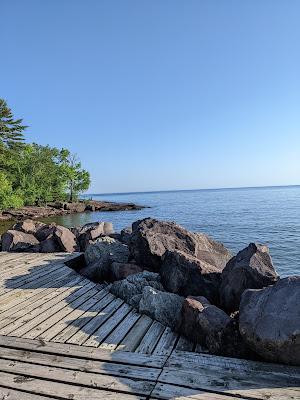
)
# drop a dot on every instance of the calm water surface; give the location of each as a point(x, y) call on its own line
point(235, 217)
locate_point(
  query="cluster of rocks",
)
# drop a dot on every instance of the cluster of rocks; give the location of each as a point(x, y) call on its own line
point(64, 208)
point(235, 305)
point(37, 237)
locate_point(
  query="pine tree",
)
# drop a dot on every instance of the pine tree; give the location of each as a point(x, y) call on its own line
point(10, 129)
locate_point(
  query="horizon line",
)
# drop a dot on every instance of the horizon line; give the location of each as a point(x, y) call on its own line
point(191, 190)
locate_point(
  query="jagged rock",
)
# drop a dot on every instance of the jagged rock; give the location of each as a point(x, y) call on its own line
point(95, 272)
point(251, 268)
point(130, 288)
point(49, 245)
point(202, 322)
point(28, 226)
point(163, 306)
point(228, 342)
point(45, 231)
point(118, 271)
point(125, 235)
point(18, 241)
point(93, 231)
point(186, 275)
point(269, 321)
point(150, 239)
point(66, 239)
point(106, 250)
point(76, 207)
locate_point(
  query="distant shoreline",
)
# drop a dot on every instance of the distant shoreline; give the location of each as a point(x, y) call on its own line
point(89, 195)
point(64, 208)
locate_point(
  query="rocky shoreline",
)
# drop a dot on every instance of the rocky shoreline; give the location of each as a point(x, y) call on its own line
point(232, 305)
point(64, 208)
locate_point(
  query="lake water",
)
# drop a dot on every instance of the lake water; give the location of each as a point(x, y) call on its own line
point(235, 217)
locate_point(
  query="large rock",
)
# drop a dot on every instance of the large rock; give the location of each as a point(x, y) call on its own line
point(45, 231)
point(163, 306)
point(93, 231)
point(186, 275)
point(125, 235)
point(65, 238)
point(270, 321)
point(150, 239)
point(202, 322)
point(228, 341)
point(18, 241)
point(251, 268)
point(49, 245)
point(131, 288)
point(106, 250)
point(28, 226)
point(118, 271)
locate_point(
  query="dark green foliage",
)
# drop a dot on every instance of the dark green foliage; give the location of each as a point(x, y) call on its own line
point(31, 174)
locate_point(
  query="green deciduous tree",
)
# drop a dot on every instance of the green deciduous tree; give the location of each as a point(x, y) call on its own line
point(77, 179)
point(32, 174)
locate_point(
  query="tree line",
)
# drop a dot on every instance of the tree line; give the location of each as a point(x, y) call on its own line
point(33, 174)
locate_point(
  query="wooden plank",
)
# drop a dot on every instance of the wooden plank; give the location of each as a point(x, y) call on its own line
point(69, 314)
point(57, 297)
point(88, 353)
point(81, 322)
point(41, 323)
point(90, 380)
point(101, 333)
point(151, 338)
point(29, 281)
point(81, 336)
point(135, 335)
point(255, 385)
point(194, 361)
point(79, 364)
point(166, 343)
point(23, 265)
point(11, 394)
point(28, 298)
point(61, 390)
point(112, 341)
point(166, 391)
point(184, 344)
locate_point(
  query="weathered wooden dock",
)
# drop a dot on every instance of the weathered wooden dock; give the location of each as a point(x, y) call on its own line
point(64, 337)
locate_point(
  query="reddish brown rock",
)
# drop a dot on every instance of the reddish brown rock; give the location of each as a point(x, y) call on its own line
point(150, 239)
point(201, 322)
point(66, 239)
point(28, 226)
point(251, 268)
point(120, 271)
point(18, 241)
point(186, 275)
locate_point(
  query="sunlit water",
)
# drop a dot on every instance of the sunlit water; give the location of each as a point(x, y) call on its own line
point(235, 217)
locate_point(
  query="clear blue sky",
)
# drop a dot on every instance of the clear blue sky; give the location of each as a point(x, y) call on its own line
point(159, 94)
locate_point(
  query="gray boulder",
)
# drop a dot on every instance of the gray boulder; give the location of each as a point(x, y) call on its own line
point(125, 235)
point(186, 275)
point(93, 231)
point(269, 321)
point(163, 306)
point(18, 241)
point(150, 239)
point(202, 322)
point(131, 288)
point(251, 268)
point(105, 250)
